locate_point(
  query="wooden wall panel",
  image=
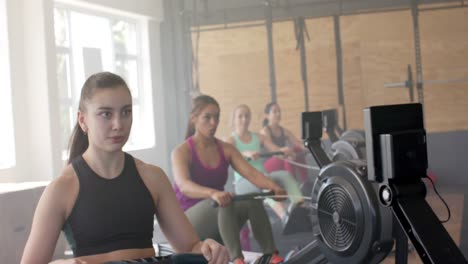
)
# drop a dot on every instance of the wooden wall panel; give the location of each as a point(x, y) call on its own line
point(233, 67)
point(376, 50)
point(352, 72)
point(321, 61)
point(444, 41)
point(289, 87)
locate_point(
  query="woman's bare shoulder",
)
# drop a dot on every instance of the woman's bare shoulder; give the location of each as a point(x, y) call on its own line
point(263, 131)
point(148, 170)
point(182, 149)
point(229, 139)
point(154, 178)
point(66, 181)
point(62, 192)
point(225, 144)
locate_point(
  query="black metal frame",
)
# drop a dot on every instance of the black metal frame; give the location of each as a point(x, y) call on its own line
point(397, 158)
point(217, 12)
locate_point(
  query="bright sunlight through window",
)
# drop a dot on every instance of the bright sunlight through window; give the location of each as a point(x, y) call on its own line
point(89, 42)
point(7, 138)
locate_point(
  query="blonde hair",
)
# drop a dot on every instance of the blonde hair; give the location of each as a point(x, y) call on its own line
point(233, 114)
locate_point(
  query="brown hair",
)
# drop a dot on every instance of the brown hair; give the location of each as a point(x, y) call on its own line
point(267, 111)
point(103, 80)
point(198, 103)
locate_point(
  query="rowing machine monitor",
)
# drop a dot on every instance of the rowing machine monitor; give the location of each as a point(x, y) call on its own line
point(312, 134)
point(397, 160)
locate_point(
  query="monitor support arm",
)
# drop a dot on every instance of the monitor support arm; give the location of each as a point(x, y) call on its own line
point(404, 191)
point(429, 237)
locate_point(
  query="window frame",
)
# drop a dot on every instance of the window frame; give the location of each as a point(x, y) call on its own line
point(144, 101)
point(5, 73)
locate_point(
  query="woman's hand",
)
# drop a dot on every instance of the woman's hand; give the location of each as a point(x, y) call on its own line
point(253, 155)
point(222, 198)
point(70, 261)
point(288, 152)
point(214, 252)
point(279, 191)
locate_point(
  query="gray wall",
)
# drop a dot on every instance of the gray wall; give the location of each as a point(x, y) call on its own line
point(448, 158)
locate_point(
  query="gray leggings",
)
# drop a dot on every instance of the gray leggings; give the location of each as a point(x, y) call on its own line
point(224, 224)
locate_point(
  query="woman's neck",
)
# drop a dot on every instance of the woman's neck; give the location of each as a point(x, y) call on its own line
point(274, 126)
point(106, 164)
point(203, 141)
point(242, 132)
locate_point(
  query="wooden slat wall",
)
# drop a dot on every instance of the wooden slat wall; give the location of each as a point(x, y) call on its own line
point(376, 49)
point(289, 87)
point(444, 41)
point(233, 68)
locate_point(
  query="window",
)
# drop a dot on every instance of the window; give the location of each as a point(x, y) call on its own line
point(89, 42)
point(7, 138)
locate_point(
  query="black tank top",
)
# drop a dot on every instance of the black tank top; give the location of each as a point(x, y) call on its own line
point(110, 214)
point(280, 141)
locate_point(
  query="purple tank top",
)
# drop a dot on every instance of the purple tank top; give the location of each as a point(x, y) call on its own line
point(212, 177)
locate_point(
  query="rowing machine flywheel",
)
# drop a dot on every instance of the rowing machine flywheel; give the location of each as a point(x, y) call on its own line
point(348, 221)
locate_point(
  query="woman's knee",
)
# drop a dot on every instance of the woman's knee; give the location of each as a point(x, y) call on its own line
point(274, 164)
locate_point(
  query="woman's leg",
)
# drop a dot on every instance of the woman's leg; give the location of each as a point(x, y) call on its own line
point(204, 218)
point(274, 164)
point(300, 158)
point(243, 186)
point(245, 237)
point(278, 207)
point(261, 227)
point(290, 185)
point(233, 217)
point(230, 221)
point(284, 179)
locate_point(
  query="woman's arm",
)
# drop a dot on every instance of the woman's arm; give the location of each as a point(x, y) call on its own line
point(250, 173)
point(48, 220)
point(173, 222)
point(267, 143)
point(171, 218)
point(254, 155)
point(180, 166)
point(265, 139)
point(293, 140)
point(180, 159)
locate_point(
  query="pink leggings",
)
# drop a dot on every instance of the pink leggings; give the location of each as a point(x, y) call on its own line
point(276, 164)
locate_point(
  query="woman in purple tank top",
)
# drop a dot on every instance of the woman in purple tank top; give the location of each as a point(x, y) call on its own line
point(200, 167)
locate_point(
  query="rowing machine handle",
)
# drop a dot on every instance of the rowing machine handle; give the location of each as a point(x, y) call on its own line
point(188, 258)
point(267, 155)
point(179, 258)
point(248, 196)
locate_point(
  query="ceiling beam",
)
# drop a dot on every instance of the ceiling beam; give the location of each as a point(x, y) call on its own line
point(215, 12)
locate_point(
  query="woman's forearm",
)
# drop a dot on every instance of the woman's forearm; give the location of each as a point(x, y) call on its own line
point(196, 191)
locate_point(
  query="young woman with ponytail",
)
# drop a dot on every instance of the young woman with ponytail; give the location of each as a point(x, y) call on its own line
point(105, 200)
point(285, 140)
point(200, 167)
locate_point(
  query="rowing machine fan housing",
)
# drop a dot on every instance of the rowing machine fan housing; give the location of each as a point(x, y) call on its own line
point(350, 224)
